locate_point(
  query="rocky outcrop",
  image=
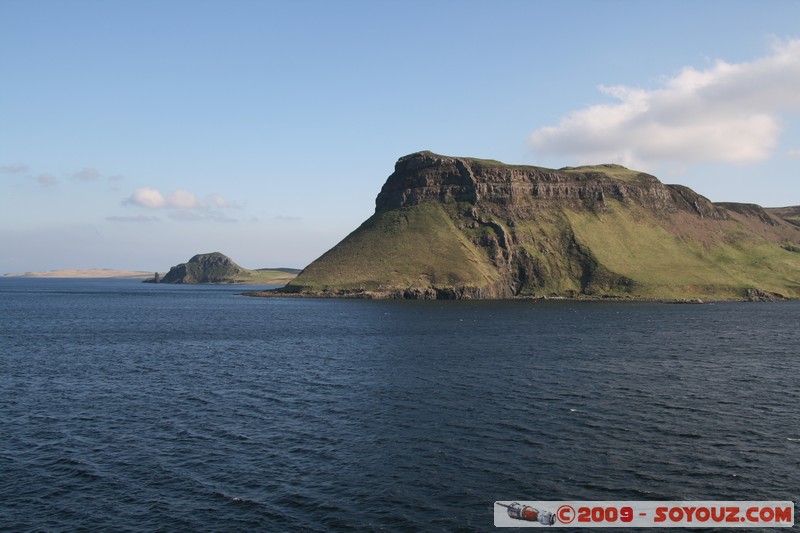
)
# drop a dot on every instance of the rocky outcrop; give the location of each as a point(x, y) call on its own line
point(204, 268)
point(758, 295)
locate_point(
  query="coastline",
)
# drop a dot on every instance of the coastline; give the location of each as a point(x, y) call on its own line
point(751, 295)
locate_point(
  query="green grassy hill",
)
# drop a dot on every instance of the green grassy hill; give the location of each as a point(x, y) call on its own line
point(408, 248)
point(467, 228)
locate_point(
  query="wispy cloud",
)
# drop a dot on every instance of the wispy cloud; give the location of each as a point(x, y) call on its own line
point(13, 169)
point(793, 153)
point(46, 180)
point(218, 201)
point(195, 216)
point(86, 174)
point(135, 218)
point(729, 113)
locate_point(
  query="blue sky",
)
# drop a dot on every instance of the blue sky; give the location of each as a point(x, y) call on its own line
point(134, 134)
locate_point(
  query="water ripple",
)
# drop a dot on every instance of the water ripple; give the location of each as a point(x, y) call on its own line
point(148, 408)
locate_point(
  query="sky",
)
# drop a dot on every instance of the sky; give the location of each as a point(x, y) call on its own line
point(135, 134)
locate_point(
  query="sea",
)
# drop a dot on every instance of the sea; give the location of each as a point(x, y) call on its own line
point(127, 406)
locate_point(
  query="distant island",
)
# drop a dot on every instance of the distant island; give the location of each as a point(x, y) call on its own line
point(108, 273)
point(202, 268)
point(456, 227)
point(216, 267)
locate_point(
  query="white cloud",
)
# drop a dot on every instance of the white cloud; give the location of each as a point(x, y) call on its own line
point(793, 153)
point(183, 199)
point(146, 197)
point(729, 113)
point(184, 205)
point(153, 199)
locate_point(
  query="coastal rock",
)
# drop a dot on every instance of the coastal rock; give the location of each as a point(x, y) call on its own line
point(758, 295)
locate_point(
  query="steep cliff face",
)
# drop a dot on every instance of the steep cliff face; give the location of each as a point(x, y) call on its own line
point(450, 227)
point(425, 176)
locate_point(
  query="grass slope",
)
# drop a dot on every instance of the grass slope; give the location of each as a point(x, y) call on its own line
point(266, 276)
point(415, 247)
point(612, 171)
point(565, 251)
point(629, 242)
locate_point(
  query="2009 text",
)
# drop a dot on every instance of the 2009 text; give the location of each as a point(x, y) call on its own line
point(645, 514)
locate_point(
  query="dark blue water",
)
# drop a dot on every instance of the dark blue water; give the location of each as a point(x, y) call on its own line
point(127, 406)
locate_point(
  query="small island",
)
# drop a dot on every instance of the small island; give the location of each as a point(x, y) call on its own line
point(218, 268)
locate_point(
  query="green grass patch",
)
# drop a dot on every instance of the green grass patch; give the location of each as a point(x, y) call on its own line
point(663, 265)
point(267, 276)
point(414, 247)
point(616, 172)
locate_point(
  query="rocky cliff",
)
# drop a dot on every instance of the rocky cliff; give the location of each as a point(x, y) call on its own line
point(425, 176)
point(452, 227)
